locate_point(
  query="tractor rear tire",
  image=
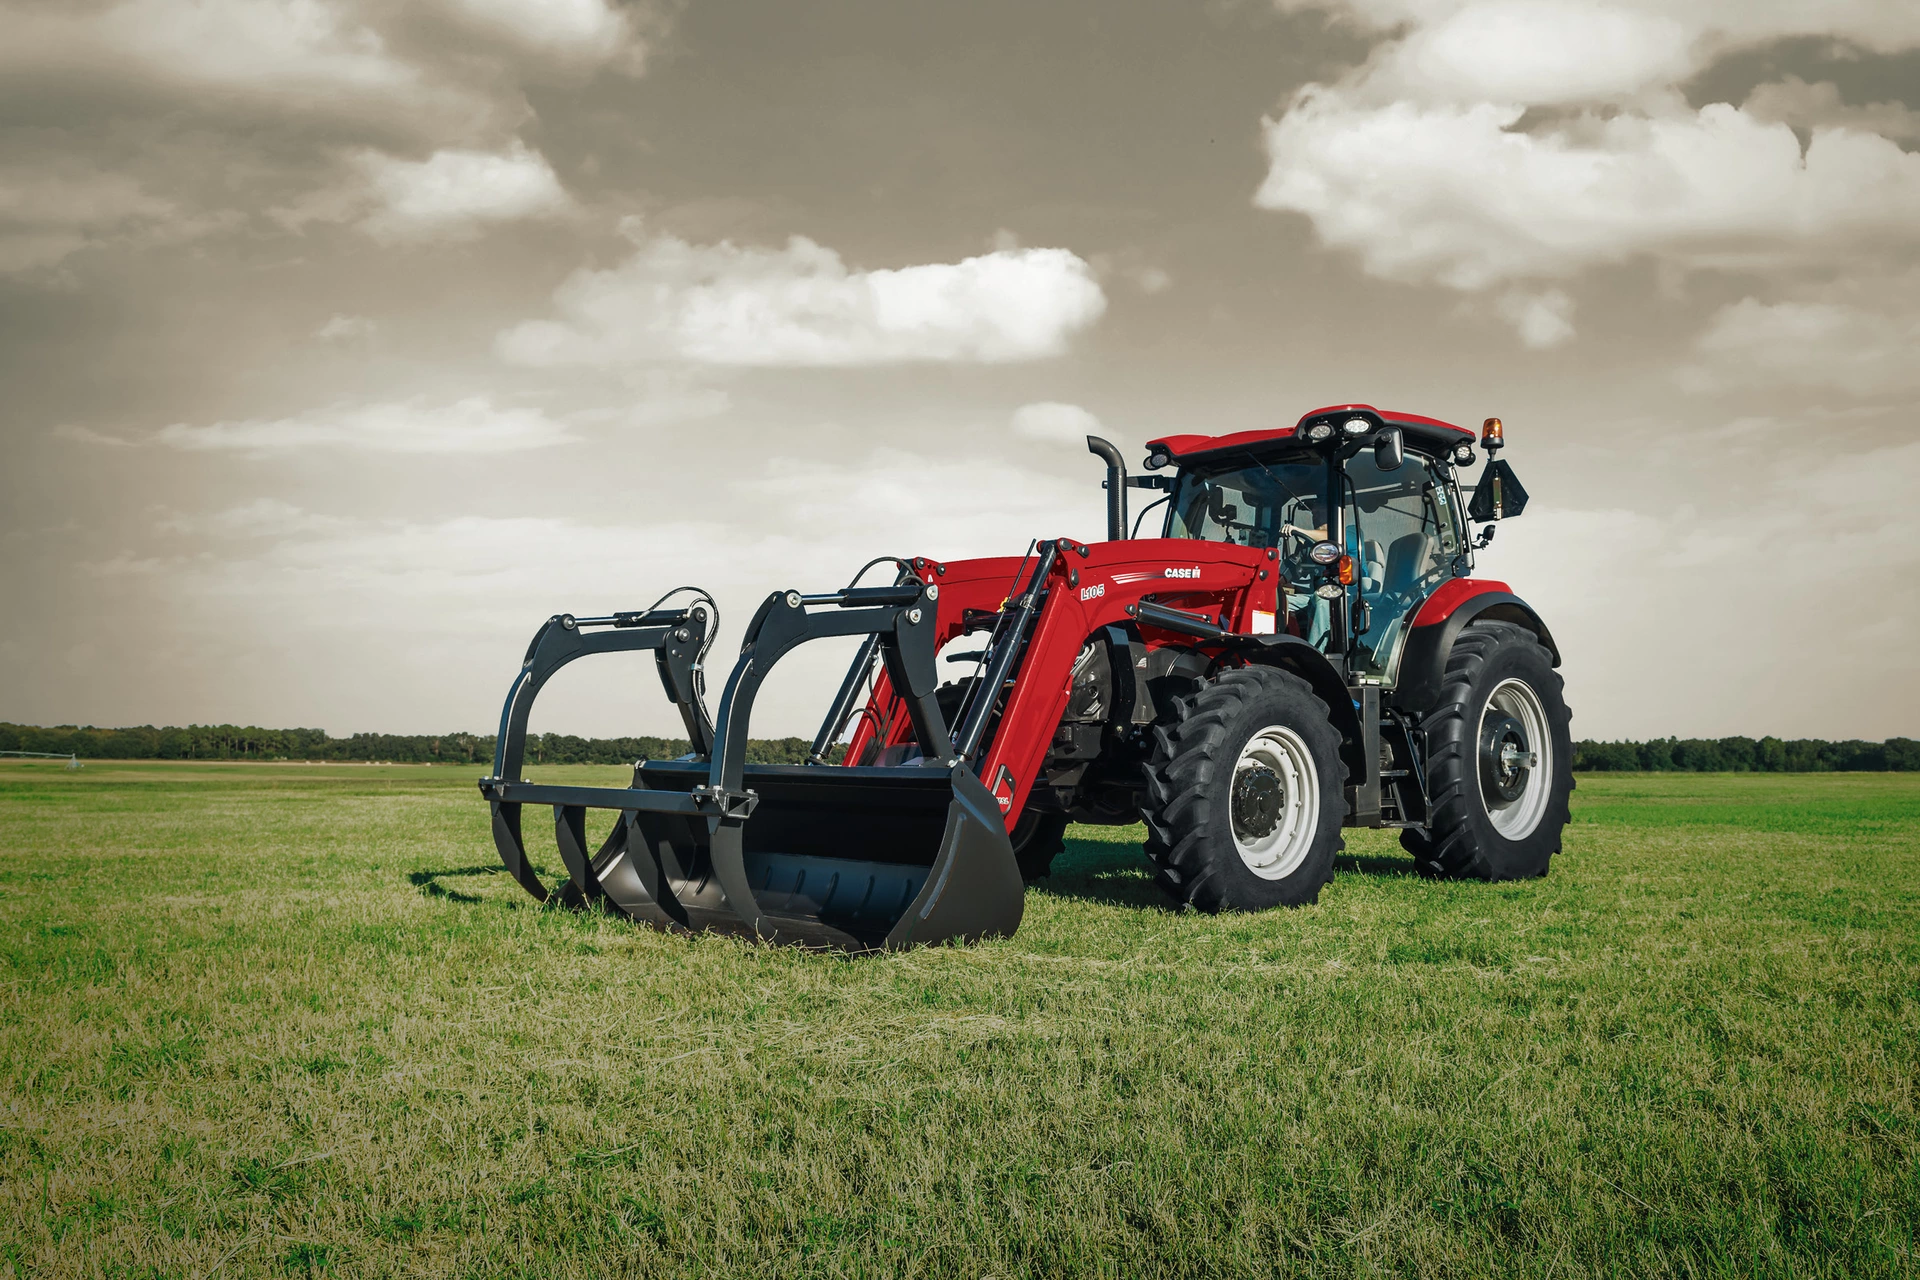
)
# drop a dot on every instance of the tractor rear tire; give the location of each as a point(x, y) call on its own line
point(1493, 818)
point(1245, 794)
point(1037, 839)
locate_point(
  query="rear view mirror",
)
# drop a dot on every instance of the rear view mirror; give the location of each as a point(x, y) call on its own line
point(1499, 495)
point(1389, 450)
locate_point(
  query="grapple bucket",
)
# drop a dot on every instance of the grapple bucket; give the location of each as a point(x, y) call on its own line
point(820, 855)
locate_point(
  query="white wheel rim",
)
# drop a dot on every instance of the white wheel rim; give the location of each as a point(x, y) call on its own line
point(1516, 819)
point(1274, 803)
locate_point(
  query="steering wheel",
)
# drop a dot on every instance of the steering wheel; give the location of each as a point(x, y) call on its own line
point(1304, 535)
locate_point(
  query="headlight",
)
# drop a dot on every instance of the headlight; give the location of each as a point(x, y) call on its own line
point(1356, 426)
point(1325, 552)
point(1327, 591)
point(1319, 431)
point(1156, 460)
point(1463, 454)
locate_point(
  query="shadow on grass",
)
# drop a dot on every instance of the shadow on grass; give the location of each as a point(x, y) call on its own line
point(1121, 876)
point(428, 882)
point(1113, 875)
point(1360, 864)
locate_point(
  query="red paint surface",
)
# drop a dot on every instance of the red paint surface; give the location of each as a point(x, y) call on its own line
point(1085, 593)
point(1181, 446)
point(1185, 445)
point(1451, 595)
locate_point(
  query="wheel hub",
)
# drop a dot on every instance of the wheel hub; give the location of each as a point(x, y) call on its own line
point(1273, 802)
point(1505, 758)
point(1258, 797)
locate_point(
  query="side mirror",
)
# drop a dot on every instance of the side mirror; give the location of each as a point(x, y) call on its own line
point(1389, 450)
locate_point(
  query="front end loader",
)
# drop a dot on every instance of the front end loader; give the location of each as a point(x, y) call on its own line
point(1302, 648)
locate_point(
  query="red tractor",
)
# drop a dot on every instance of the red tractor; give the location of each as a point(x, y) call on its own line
point(1300, 648)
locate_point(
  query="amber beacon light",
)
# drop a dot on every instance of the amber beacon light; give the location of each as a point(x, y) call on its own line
point(1492, 435)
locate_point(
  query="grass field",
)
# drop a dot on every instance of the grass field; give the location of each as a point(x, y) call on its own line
point(262, 1020)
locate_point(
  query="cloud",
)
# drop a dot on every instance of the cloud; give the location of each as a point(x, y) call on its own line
point(261, 518)
point(1456, 194)
point(1542, 319)
point(345, 328)
point(47, 214)
point(453, 194)
point(472, 425)
point(1486, 143)
point(1792, 101)
point(1536, 53)
point(589, 32)
point(87, 435)
point(801, 305)
point(1839, 345)
point(1055, 423)
point(322, 59)
point(330, 57)
point(224, 108)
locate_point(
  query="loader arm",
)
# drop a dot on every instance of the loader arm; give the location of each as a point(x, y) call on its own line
point(1207, 586)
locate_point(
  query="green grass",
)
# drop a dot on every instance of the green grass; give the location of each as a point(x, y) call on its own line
point(273, 1020)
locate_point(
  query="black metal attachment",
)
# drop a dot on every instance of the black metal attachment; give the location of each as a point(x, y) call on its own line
point(818, 855)
point(1192, 624)
point(677, 638)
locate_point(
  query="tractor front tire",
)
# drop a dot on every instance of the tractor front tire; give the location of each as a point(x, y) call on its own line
point(1494, 816)
point(1245, 794)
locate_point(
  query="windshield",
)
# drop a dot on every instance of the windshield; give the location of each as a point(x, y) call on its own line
point(1249, 505)
point(1277, 504)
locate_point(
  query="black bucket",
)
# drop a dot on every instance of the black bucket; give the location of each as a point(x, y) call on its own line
point(854, 858)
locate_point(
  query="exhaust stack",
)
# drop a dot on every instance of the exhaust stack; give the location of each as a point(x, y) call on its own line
point(1116, 486)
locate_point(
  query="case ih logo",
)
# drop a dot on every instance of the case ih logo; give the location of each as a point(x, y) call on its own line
point(1002, 790)
point(1093, 592)
point(1182, 573)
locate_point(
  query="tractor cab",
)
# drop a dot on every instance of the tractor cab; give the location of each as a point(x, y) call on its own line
point(1363, 509)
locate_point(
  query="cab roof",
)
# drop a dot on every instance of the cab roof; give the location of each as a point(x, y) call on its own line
point(1428, 435)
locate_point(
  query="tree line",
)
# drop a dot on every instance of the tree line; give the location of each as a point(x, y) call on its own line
point(248, 742)
point(237, 742)
point(1748, 755)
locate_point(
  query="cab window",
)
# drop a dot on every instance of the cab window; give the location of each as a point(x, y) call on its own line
point(1404, 536)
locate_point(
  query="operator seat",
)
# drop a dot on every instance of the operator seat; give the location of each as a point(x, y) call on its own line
point(1399, 583)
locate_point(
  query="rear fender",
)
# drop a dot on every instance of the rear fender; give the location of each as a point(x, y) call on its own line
point(1291, 653)
point(1423, 663)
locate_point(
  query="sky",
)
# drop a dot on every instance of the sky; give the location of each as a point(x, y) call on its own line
point(342, 343)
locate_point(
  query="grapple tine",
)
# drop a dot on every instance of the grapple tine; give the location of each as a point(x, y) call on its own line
point(513, 850)
point(570, 833)
point(636, 874)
